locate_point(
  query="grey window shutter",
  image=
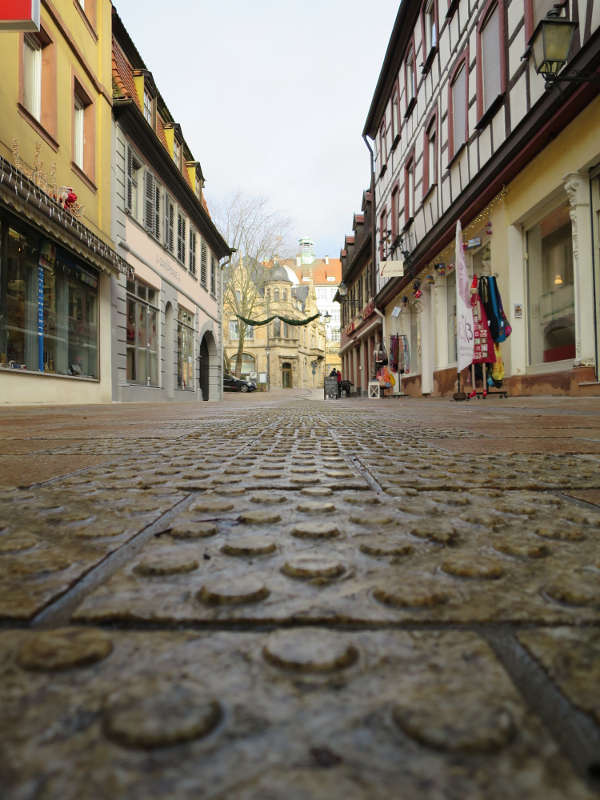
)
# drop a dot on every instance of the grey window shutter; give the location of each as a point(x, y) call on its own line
point(149, 202)
point(203, 264)
point(157, 211)
point(129, 181)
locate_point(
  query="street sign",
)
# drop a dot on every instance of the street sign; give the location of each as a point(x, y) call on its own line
point(391, 269)
point(20, 15)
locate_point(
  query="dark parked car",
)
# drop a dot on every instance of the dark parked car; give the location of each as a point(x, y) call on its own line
point(233, 384)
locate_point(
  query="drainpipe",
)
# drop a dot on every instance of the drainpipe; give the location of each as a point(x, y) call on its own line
point(374, 217)
point(221, 312)
point(373, 237)
point(379, 314)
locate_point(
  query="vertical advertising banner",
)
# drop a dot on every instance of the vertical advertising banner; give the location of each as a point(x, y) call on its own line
point(20, 15)
point(464, 312)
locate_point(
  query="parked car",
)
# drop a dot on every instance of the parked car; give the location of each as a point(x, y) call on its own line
point(233, 384)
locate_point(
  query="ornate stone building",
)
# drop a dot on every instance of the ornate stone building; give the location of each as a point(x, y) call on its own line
point(280, 354)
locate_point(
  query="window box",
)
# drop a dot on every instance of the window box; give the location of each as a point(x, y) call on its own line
point(456, 155)
point(429, 60)
point(486, 118)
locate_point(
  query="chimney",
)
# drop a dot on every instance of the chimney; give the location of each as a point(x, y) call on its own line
point(327, 259)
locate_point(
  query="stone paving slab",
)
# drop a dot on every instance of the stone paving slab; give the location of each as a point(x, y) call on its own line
point(49, 539)
point(329, 603)
point(365, 558)
point(572, 659)
point(288, 714)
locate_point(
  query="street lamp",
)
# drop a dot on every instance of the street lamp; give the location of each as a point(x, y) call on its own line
point(550, 43)
point(268, 354)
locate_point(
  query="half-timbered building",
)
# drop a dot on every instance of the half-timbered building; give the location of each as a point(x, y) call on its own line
point(464, 128)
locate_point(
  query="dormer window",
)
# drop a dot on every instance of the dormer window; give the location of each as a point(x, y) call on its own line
point(177, 153)
point(148, 108)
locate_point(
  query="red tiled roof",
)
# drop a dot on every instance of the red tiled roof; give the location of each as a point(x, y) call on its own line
point(122, 76)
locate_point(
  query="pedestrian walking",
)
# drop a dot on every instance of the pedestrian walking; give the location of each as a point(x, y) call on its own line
point(339, 380)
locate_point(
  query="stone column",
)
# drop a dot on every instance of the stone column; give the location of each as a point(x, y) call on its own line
point(578, 192)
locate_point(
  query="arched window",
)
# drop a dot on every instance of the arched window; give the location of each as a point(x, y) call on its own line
point(284, 294)
point(285, 330)
point(248, 364)
point(277, 328)
point(276, 295)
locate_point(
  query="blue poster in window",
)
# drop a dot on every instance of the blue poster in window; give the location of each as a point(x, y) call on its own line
point(40, 319)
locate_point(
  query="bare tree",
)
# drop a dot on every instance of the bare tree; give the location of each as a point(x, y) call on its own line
point(258, 234)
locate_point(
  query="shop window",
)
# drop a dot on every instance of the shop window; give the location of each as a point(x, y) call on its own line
point(48, 308)
point(181, 238)
point(451, 317)
point(185, 349)
point(142, 333)
point(490, 58)
point(551, 298)
point(457, 108)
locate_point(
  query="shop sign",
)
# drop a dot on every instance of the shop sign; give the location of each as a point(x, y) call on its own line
point(40, 319)
point(349, 328)
point(476, 242)
point(20, 15)
point(392, 269)
point(368, 309)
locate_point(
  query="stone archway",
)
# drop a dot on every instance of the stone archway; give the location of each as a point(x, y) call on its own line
point(209, 374)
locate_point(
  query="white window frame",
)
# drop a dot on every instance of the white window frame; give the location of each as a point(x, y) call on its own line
point(78, 130)
point(32, 76)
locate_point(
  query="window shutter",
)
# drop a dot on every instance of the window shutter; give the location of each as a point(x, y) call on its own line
point(213, 276)
point(157, 211)
point(171, 226)
point(129, 180)
point(149, 202)
point(203, 265)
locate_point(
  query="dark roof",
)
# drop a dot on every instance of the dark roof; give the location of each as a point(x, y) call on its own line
point(277, 275)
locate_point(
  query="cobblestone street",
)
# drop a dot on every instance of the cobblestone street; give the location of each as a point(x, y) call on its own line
point(280, 597)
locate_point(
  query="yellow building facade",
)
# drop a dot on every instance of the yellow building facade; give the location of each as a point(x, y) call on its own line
point(56, 254)
point(280, 355)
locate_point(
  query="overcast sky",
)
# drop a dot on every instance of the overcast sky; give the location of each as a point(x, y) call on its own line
point(272, 96)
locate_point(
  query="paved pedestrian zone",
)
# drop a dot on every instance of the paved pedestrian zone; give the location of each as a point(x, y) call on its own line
point(277, 597)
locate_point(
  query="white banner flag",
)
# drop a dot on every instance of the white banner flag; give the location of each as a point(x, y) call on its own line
point(464, 312)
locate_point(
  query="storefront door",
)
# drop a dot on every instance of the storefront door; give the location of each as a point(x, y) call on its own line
point(203, 368)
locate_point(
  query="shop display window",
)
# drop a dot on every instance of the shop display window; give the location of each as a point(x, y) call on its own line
point(185, 349)
point(142, 333)
point(48, 308)
point(551, 297)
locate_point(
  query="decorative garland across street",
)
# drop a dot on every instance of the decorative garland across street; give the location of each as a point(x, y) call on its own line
point(257, 322)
